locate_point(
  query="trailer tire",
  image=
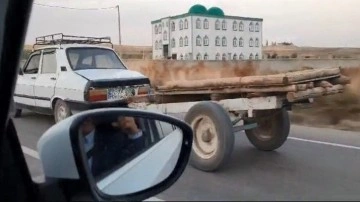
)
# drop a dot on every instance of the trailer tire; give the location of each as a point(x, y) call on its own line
point(272, 131)
point(213, 136)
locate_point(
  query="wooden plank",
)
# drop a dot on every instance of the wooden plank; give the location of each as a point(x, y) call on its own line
point(324, 84)
point(310, 74)
point(315, 92)
point(228, 90)
point(304, 76)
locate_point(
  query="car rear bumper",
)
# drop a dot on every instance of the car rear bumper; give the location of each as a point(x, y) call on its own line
point(77, 106)
point(82, 106)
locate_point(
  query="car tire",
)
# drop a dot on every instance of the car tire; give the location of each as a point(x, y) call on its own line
point(61, 111)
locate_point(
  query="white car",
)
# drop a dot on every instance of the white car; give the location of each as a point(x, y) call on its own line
point(73, 76)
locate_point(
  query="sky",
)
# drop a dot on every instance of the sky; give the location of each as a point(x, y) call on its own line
point(318, 23)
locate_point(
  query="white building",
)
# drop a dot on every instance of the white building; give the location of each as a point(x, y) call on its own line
point(203, 34)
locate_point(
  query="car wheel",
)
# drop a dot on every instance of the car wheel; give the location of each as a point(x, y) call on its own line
point(61, 111)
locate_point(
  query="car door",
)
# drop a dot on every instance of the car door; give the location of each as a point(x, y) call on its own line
point(44, 87)
point(24, 90)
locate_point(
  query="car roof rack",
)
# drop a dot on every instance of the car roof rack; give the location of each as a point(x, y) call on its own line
point(60, 38)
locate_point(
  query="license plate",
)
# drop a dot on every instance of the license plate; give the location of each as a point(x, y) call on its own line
point(120, 93)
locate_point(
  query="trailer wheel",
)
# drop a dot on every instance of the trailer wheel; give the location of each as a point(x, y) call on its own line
point(272, 131)
point(213, 136)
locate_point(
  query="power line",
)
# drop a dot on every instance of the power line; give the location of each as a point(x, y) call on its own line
point(64, 7)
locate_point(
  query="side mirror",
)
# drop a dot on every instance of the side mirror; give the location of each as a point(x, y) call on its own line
point(121, 154)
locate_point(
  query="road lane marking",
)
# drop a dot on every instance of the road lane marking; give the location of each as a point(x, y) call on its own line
point(35, 154)
point(30, 152)
point(325, 143)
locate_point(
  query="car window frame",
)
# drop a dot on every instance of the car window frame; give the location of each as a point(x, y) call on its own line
point(44, 52)
point(35, 53)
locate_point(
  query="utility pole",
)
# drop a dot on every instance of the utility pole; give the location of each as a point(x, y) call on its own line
point(118, 10)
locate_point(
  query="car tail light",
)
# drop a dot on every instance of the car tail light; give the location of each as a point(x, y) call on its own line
point(144, 90)
point(97, 95)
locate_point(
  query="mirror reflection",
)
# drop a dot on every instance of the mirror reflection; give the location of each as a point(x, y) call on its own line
point(129, 154)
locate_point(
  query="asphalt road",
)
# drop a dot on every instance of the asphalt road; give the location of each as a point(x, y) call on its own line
point(314, 164)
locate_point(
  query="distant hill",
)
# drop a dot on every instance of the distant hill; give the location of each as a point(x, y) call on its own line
point(292, 51)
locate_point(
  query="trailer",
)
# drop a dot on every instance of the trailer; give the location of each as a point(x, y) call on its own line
point(218, 108)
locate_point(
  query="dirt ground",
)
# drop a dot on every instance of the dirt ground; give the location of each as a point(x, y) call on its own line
point(341, 111)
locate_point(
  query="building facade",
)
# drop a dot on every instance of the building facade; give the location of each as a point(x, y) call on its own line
point(203, 34)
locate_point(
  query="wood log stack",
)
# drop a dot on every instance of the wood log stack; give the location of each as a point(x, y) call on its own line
point(295, 86)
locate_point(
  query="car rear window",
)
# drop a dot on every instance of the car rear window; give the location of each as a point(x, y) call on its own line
point(93, 58)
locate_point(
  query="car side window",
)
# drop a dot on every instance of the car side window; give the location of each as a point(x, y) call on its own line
point(49, 63)
point(33, 65)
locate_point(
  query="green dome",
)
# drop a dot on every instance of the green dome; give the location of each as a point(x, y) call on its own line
point(198, 9)
point(216, 11)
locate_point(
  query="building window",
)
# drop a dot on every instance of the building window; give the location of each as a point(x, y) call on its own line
point(206, 41)
point(186, 41)
point(167, 23)
point(235, 42)
point(251, 56)
point(160, 44)
point(217, 57)
point(181, 57)
point(241, 42)
point(206, 56)
point(160, 29)
point(165, 35)
point(229, 56)
point(251, 42)
point(241, 26)
point(256, 56)
point(224, 41)
point(224, 25)
point(156, 29)
point(217, 41)
point(223, 56)
point(172, 26)
point(235, 57)
point(257, 27)
point(198, 24)
point(156, 45)
point(186, 56)
point(186, 24)
point(181, 42)
point(181, 25)
point(198, 41)
point(198, 56)
point(206, 24)
point(251, 27)
point(234, 25)
point(173, 43)
point(241, 56)
point(257, 42)
point(217, 25)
